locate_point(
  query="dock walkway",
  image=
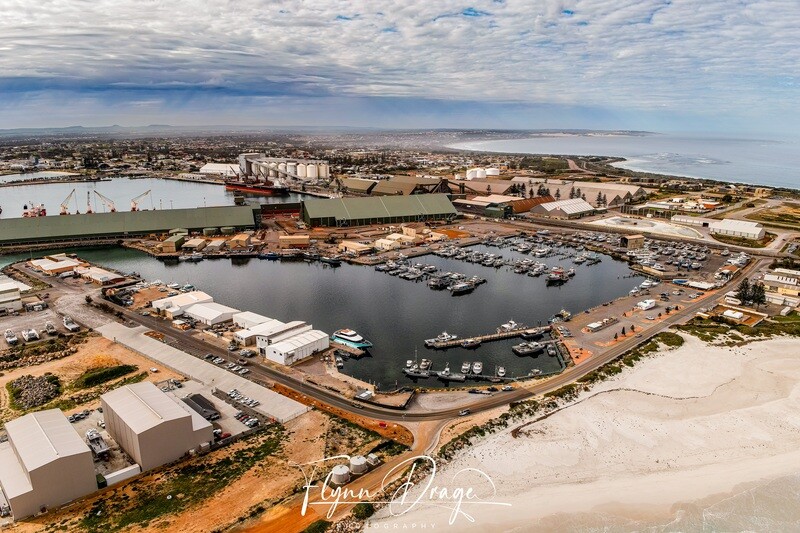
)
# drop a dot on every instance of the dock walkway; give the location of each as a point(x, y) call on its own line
point(442, 345)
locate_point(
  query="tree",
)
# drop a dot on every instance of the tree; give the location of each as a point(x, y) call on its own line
point(743, 291)
point(578, 193)
point(583, 197)
point(599, 200)
point(758, 294)
point(558, 194)
point(633, 328)
point(623, 331)
point(363, 510)
point(616, 336)
point(572, 193)
point(530, 192)
point(605, 200)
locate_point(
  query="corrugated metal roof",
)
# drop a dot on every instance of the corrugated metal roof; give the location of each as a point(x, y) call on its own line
point(735, 225)
point(143, 406)
point(299, 340)
point(43, 437)
point(122, 223)
point(570, 206)
point(209, 310)
point(358, 184)
point(379, 207)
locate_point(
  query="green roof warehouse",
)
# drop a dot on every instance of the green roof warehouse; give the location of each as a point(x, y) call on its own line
point(378, 210)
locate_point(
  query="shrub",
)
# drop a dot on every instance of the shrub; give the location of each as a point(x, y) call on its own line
point(363, 510)
point(320, 526)
point(96, 376)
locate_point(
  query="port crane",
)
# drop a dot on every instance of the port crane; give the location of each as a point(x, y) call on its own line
point(65, 203)
point(109, 203)
point(135, 201)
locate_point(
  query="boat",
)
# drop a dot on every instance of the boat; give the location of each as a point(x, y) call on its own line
point(187, 288)
point(30, 335)
point(174, 286)
point(271, 256)
point(510, 326)
point(465, 367)
point(532, 335)
point(50, 328)
point(477, 368)
point(348, 337)
point(501, 372)
point(438, 283)
point(446, 375)
point(557, 276)
point(570, 272)
point(470, 343)
point(461, 288)
point(563, 315)
point(425, 364)
point(263, 188)
point(339, 362)
point(536, 372)
point(409, 362)
point(11, 338)
point(527, 348)
point(551, 350)
point(194, 257)
point(331, 260)
point(442, 337)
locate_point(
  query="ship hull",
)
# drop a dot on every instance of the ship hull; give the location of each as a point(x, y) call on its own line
point(263, 190)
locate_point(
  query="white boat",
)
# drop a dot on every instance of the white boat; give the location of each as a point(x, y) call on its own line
point(465, 367)
point(501, 372)
point(510, 326)
point(477, 367)
point(443, 337)
point(174, 286)
point(425, 364)
point(30, 335)
point(348, 337)
point(11, 338)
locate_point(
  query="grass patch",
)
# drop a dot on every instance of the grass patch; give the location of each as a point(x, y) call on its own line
point(181, 486)
point(320, 526)
point(97, 376)
point(740, 241)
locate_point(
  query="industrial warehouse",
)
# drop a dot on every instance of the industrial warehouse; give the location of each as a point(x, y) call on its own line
point(121, 224)
point(338, 212)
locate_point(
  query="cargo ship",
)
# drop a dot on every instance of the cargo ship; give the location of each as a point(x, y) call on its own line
point(264, 188)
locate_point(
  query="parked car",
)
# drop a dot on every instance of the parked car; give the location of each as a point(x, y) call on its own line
point(464, 412)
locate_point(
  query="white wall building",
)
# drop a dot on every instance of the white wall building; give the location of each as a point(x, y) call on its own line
point(278, 333)
point(9, 297)
point(153, 427)
point(248, 336)
point(570, 208)
point(174, 306)
point(738, 228)
point(298, 347)
point(248, 319)
point(44, 464)
point(210, 313)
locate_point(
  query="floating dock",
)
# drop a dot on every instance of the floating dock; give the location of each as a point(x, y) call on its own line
point(455, 343)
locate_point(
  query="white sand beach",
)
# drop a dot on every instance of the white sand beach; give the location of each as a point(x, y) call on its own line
point(683, 431)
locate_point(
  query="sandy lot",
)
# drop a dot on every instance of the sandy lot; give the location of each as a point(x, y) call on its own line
point(696, 423)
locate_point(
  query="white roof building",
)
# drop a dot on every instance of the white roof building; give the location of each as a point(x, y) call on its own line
point(44, 464)
point(210, 313)
point(248, 336)
point(227, 170)
point(570, 208)
point(297, 347)
point(738, 228)
point(55, 265)
point(176, 305)
point(278, 333)
point(9, 296)
point(248, 319)
point(153, 427)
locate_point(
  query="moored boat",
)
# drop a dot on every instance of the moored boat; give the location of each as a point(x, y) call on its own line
point(442, 337)
point(348, 337)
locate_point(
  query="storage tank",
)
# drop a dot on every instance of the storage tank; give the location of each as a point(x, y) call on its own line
point(480, 173)
point(492, 171)
point(311, 171)
point(301, 170)
point(273, 170)
point(340, 474)
point(358, 464)
point(291, 168)
point(324, 170)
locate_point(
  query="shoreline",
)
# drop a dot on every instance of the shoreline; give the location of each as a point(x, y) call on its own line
point(655, 443)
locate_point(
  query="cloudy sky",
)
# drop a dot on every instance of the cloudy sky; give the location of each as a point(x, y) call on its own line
point(664, 65)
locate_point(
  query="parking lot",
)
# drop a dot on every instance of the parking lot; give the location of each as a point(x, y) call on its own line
point(29, 320)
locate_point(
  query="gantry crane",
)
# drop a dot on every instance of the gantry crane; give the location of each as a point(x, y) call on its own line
point(135, 201)
point(109, 203)
point(65, 203)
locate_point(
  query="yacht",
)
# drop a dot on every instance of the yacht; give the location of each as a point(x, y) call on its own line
point(465, 367)
point(11, 338)
point(477, 367)
point(501, 372)
point(461, 288)
point(527, 348)
point(470, 343)
point(510, 326)
point(174, 286)
point(348, 337)
point(443, 337)
point(557, 276)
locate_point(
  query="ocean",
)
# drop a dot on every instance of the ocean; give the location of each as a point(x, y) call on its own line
point(772, 163)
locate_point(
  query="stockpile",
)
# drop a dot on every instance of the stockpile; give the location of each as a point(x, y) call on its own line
point(28, 391)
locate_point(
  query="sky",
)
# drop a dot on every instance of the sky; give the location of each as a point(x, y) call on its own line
point(658, 65)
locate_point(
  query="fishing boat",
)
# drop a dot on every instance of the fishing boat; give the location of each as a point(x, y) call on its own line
point(331, 260)
point(501, 372)
point(447, 375)
point(510, 326)
point(339, 362)
point(470, 343)
point(477, 368)
point(442, 337)
point(425, 364)
point(551, 350)
point(348, 337)
point(465, 367)
point(527, 348)
point(461, 288)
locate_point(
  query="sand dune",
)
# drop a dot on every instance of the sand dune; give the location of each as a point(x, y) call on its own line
point(695, 426)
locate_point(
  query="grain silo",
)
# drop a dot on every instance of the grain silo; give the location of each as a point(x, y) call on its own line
point(358, 465)
point(324, 170)
point(301, 170)
point(311, 171)
point(340, 474)
point(472, 173)
point(291, 168)
point(281, 168)
point(273, 170)
point(480, 173)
